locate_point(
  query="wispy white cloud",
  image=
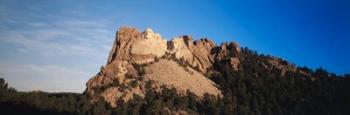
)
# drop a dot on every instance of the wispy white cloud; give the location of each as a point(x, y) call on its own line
point(82, 38)
point(64, 49)
point(77, 40)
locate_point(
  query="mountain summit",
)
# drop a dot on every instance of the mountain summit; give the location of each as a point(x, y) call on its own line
point(140, 57)
point(137, 58)
point(146, 74)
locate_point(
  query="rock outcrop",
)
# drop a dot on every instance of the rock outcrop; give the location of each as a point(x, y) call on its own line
point(228, 52)
point(196, 53)
point(136, 47)
point(137, 57)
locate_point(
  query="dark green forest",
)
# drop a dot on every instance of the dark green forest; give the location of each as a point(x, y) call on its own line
point(253, 90)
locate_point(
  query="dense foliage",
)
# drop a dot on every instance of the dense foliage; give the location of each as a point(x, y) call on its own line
point(265, 91)
point(253, 90)
point(36, 102)
point(165, 102)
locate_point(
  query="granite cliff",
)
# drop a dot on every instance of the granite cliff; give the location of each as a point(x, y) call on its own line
point(137, 58)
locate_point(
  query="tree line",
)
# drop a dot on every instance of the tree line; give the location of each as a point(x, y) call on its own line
point(252, 90)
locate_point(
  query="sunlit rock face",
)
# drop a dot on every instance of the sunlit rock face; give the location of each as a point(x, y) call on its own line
point(196, 53)
point(137, 47)
point(148, 48)
point(138, 57)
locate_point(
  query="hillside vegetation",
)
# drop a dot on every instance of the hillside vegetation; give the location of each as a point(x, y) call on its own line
point(252, 90)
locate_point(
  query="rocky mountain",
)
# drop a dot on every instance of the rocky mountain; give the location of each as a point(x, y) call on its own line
point(148, 75)
point(137, 58)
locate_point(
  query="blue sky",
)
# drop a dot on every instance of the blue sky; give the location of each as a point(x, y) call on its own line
point(58, 45)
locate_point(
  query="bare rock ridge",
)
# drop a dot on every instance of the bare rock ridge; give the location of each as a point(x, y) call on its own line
point(137, 57)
